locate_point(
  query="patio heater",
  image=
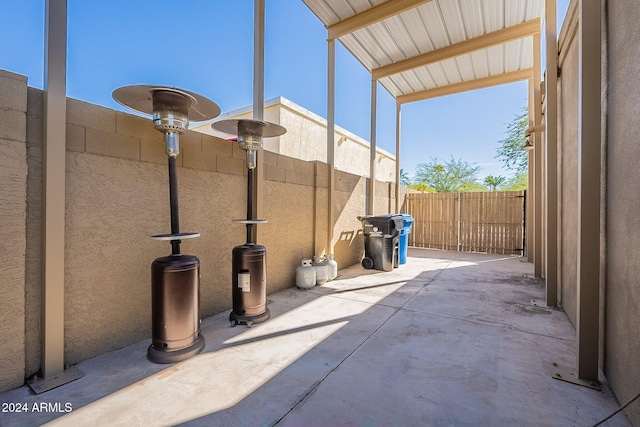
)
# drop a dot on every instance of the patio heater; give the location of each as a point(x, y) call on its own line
point(175, 279)
point(248, 265)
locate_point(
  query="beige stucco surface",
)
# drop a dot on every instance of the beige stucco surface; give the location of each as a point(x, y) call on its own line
point(619, 294)
point(288, 236)
point(117, 196)
point(13, 204)
point(568, 194)
point(623, 204)
point(349, 200)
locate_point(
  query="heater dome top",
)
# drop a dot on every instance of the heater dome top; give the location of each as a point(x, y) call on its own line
point(248, 127)
point(141, 98)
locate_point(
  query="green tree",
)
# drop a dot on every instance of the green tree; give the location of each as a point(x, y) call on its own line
point(471, 186)
point(421, 187)
point(493, 182)
point(516, 183)
point(449, 176)
point(510, 151)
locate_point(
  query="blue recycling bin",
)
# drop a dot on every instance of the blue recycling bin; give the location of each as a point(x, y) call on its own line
point(403, 242)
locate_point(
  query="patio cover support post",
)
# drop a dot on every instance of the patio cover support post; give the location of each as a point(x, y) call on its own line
point(331, 97)
point(54, 122)
point(54, 125)
point(589, 168)
point(531, 190)
point(258, 59)
point(551, 152)
point(538, 261)
point(398, 177)
point(372, 148)
point(258, 107)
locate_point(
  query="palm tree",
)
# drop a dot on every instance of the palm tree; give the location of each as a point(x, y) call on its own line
point(405, 181)
point(493, 182)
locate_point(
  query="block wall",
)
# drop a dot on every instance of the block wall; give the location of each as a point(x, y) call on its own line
point(117, 196)
point(13, 213)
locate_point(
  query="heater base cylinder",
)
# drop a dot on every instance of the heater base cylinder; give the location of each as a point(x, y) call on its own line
point(166, 357)
point(175, 309)
point(249, 294)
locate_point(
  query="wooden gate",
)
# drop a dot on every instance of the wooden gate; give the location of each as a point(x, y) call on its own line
point(491, 222)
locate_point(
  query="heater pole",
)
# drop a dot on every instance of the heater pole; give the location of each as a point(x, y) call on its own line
point(250, 205)
point(173, 203)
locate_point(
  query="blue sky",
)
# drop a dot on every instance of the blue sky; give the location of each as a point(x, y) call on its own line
point(207, 47)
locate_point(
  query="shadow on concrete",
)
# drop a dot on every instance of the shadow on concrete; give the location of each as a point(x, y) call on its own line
point(447, 339)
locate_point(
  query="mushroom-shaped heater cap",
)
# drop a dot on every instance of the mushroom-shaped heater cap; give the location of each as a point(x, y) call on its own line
point(150, 99)
point(246, 128)
point(250, 134)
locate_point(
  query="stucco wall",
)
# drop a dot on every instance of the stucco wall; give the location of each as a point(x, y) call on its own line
point(620, 151)
point(349, 203)
point(568, 159)
point(117, 196)
point(306, 138)
point(13, 190)
point(622, 316)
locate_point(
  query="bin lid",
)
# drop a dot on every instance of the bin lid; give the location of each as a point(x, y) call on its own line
point(394, 219)
point(407, 218)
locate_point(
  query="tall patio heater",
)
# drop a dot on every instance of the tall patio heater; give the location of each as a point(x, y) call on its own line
point(248, 265)
point(175, 279)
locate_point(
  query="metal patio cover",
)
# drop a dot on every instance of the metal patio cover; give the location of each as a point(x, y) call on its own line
point(421, 49)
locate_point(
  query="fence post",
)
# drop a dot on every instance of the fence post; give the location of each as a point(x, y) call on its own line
point(458, 198)
point(524, 225)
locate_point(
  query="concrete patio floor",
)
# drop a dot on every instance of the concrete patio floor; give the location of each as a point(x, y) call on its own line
point(448, 339)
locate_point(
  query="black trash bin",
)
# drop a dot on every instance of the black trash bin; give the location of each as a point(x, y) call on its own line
point(381, 238)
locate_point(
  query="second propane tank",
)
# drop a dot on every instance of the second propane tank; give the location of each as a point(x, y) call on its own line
point(320, 265)
point(306, 275)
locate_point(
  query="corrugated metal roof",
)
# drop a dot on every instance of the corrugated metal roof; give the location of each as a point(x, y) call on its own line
point(479, 40)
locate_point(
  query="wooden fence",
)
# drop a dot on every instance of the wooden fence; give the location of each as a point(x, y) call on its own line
point(491, 222)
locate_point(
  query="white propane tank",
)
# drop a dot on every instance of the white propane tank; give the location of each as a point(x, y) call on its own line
point(332, 267)
point(321, 270)
point(305, 275)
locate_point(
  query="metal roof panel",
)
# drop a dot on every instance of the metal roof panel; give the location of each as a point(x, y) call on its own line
point(431, 26)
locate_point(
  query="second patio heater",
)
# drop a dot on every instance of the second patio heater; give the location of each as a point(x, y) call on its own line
point(175, 279)
point(248, 265)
